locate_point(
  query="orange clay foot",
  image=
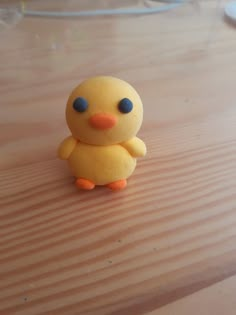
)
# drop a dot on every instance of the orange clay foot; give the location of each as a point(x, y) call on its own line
point(84, 184)
point(119, 185)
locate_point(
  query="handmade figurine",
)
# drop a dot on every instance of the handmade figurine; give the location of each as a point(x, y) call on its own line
point(104, 115)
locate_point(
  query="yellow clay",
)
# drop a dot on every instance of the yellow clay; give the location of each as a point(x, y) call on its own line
point(104, 115)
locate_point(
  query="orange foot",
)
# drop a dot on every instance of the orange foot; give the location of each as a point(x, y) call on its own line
point(119, 185)
point(84, 184)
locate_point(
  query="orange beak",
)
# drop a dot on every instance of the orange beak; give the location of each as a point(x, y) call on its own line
point(102, 121)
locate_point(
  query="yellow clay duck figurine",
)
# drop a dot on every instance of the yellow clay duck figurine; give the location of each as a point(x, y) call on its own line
point(104, 115)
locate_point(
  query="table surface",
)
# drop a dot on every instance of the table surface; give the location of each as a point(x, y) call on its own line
point(166, 244)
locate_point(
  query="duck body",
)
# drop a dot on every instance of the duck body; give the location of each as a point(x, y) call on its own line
point(101, 165)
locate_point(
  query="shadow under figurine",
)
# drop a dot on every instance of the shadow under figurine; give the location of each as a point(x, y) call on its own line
point(104, 115)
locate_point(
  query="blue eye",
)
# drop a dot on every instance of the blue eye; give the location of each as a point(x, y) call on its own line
point(80, 104)
point(125, 106)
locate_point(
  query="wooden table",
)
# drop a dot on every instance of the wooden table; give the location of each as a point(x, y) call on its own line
point(165, 245)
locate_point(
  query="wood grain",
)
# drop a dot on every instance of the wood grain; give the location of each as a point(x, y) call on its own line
point(172, 232)
point(217, 299)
